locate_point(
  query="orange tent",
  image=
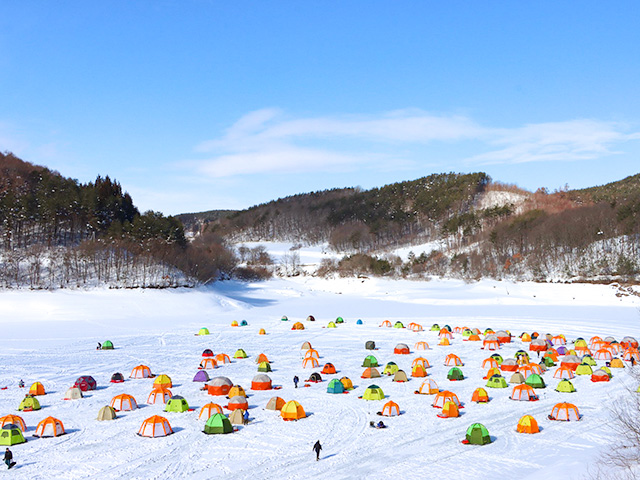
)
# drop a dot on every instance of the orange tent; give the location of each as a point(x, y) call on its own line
point(37, 389)
point(297, 326)
point(563, 372)
point(418, 371)
point(491, 372)
point(208, 364)
point(237, 390)
point(390, 409)
point(509, 365)
point(262, 358)
point(162, 381)
point(422, 361)
point(275, 403)
point(445, 396)
point(141, 371)
point(474, 338)
point(401, 349)
point(219, 386)
point(261, 382)
point(523, 392)
point(525, 338)
point(490, 363)
point(159, 395)
point(422, 346)
point(564, 412)
point(370, 372)
point(449, 410)
point(292, 410)
point(386, 323)
point(13, 419)
point(428, 387)
point(328, 369)
point(631, 353)
point(238, 402)
point(310, 362)
point(490, 345)
point(49, 427)
point(209, 409)
point(527, 424)
point(155, 426)
point(480, 395)
point(453, 360)
point(311, 353)
point(444, 341)
point(223, 358)
point(123, 402)
point(583, 351)
point(526, 370)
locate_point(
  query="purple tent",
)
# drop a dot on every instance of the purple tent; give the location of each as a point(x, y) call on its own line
point(562, 350)
point(201, 376)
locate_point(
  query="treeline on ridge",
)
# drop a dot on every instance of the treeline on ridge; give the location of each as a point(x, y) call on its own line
point(57, 232)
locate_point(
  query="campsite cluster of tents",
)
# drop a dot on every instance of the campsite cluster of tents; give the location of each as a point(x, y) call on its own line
point(595, 358)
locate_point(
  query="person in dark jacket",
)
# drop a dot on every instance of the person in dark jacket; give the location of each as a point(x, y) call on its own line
point(8, 456)
point(316, 448)
point(296, 380)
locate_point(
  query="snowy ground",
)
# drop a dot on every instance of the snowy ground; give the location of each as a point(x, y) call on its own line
point(51, 337)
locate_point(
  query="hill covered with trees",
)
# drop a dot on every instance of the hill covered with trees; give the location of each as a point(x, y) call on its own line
point(57, 232)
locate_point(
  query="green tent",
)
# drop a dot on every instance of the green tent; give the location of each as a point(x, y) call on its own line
point(584, 369)
point(535, 381)
point(203, 331)
point(435, 327)
point(339, 320)
point(548, 361)
point(390, 368)
point(455, 374)
point(370, 361)
point(218, 423)
point(477, 434)
point(284, 318)
point(243, 323)
point(398, 325)
point(467, 333)
point(335, 386)
point(498, 358)
point(588, 359)
point(29, 403)
point(264, 367)
point(565, 386)
point(11, 435)
point(497, 381)
point(107, 345)
point(176, 404)
point(331, 325)
point(373, 392)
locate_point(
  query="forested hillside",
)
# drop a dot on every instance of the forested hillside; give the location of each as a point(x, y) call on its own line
point(482, 228)
point(56, 232)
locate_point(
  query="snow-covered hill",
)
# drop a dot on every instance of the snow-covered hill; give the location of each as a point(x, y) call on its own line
point(51, 338)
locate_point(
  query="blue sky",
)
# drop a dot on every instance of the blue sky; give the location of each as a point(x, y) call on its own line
point(197, 105)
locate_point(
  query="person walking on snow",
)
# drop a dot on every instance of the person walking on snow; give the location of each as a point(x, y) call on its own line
point(245, 417)
point(8, 456)
point(316, 448)
point(295, 381)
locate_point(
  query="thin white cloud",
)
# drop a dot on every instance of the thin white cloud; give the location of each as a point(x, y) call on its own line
point(269, 141)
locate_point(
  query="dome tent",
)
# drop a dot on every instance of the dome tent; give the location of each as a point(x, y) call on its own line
point(275, 403)
point(208, 410)
point(154, 427)
point(218, 424)
point(107, 345)
point(117, 378)
point(373, 392)
point(176, 404)
point(11, 434)
point(335, 386)
point(477, 434)
point(106, 413)
point(14, 419)
point(29, 403)
point(49, 427)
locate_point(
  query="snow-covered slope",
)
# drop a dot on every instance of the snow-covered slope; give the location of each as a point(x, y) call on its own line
point(51, 337)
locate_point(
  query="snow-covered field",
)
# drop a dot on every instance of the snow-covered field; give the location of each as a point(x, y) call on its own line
point(51, 338)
